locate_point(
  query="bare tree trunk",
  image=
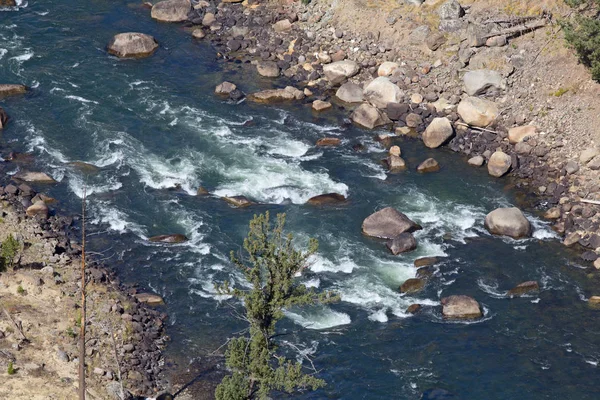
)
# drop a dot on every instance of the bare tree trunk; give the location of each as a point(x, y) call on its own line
point(82, 327)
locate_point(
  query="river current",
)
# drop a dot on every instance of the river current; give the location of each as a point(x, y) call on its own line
point(152, 125)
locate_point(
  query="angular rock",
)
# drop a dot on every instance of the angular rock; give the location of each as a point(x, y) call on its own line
point(553, 213)
point(594, 165)
point(132, 44)
point(39, 209)
point(319, 105)
point(225, 88)
point(268, 69)
point(350, 93)
point(412, 285)
point(327, 199)
point(11, 90)
point(460, 307)
point(429, 165)
point(476, 161)
point(171, 10)
point(282, 26)
point(174, 238)
point(396, 111)
point(438, 132)
point(413, 120)
point(588, 154)
point(369, 117)
point(338, 72)
point(238, 201)
point(381, 91)
point(36, 177)
point(387, 68)
point(508, 221)
point(323, 142)
point(208, 19)
point(388, 223)
point(478, 112)
point(524, 288)
point(150, 298)
point(571, 167)
point(402, 243)
point(395, 163)
point(277, 95)
point(499, 164)
point(435, 41)
point(451, 9)
point(479, 81)
point(519, 133)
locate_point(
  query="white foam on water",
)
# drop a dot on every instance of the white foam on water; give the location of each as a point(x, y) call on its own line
point(319, 318)
point(319, 264)
point(592, 362)
point(379, 316)
point(78, 185)
point(491, 288)
point(313, 283)
point(80, 99)
point(37, 143)
point(541, 229)
point(3, 53)
point(104, 213)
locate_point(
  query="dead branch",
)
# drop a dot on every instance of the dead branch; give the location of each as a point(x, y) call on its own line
point(518, 30)
point(83, 319)
point(476, 128)
point(114, 346)
point(595, 202)
point(15, 324)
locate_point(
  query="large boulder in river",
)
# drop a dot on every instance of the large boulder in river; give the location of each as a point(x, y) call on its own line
point(238, 201)
point(174, 238)
point(480, 81)
point(171, 10)
point(478, 112)
point(369, 117)
point(350, 93)
point(508, 221)
point(225, 88)
point(132, 44)
point(499, 164)
point(36, 177)
point(524, 288)
point(3, 118)
point(382, 91)
point(11, 89)
point(277, 95)
point(337, 72)
point(388, 223)
point(402, 243)
point(327, 199)
point(438, 132)
point(412, 285)
point(460, 307)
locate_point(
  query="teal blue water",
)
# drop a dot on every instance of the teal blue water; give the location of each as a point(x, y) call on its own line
point(153, 124)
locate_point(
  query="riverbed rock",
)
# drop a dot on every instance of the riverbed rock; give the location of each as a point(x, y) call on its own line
point(499, 164)
point(268, 69)
point(412, 285)
point(426, 261)
point(508, 221)
point(429, 165)
point(277, 95)
point(12, 89)
point(39, 209)
point(369, 117)
point(320, 105)
point(327, 199)
point(238, 201)
point(3, 118)
point(594, 164)
point(476, 161)
point(173, 238)
point(519, 133)
point(329, 141)
point(337, 72)
point(480, 81)
point(225, 88)
point(132, 45)
point(150, 298)
point(8, 3)
point(395, 151)
point(413, 308)
point(350, 92)
point(387, 68)
point(388, 223)
point(382, 91)
point(395, 163)
point(413, 120)
point(460, 307)
point(402, 243)
point(524, 288)
point(478, 112)
point(34, 177)
point(171, 10)
point(198, 33)
point(438, 132)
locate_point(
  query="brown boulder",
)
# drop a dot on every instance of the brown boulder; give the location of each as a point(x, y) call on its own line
point(319, 105)
point(329, 141)
point(426, 261)
point(10, 90)
point(413, 308)
point(388, 223)
point(429, 165)
point(326, 199)
point(39, 209)
point(524, 288)
point(238, 201)
point(202, 191)
point(460, 307)
point(174, 238)
point(412, 285)
point(402, 243)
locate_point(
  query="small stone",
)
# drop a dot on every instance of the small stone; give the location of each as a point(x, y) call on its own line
point(553, 213)
point(416, 98)
point(238, 201)
point(395, 151)
point(429, 165)
point(413, 120)
point(319, 105)
point(588, 154)
point(225, 88)
point(597, 263)
point(594, 300)
point(476, 161)
point(571, 239)
point(198, 33)
point(396, 163)
point(99, 371)
point(571, 167)
point(282, 26)
point(402, 243)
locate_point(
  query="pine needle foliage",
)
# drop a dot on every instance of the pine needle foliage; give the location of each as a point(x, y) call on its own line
point(271, 267)
point(8, 251)
point(583, 35)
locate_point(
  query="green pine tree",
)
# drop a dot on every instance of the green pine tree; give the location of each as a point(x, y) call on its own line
point(271, 266)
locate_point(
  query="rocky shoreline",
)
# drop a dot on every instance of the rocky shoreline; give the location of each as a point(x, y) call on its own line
point(429, 83)
point(41, 294)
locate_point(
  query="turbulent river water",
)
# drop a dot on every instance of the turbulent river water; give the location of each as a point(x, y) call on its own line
point(153, 124)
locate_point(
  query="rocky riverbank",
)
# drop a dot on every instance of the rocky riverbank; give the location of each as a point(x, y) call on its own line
point(469, 77)
point(40, 316)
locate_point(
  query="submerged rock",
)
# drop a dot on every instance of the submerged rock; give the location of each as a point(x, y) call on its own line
point(413, 308)
point(412, 285)
point(36, 177)
point(85, 167)
point(402, 243)
point(524, 288)
point(329, 141)
point(10, 90)
point(238, 201)
point(388, 223)
point(171, 10)
point(508, 222)
point(173, 238)
point(132, 44)
point(429, 165)
point(460, 307)
point(426, 261)
point(327, 199)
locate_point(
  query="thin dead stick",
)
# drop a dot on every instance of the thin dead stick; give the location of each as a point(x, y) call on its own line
point(14, 323)
point(595, 202)
point(114, 343)
point(476, 128)
point(82, 328)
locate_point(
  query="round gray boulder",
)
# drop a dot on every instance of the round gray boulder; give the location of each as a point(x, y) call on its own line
point(508, 221)
point(132, 44)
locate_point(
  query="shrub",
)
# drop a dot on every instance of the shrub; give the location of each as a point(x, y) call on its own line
point(20, 290)
point(8, 251)
point(584, 37)
point(11, 368)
